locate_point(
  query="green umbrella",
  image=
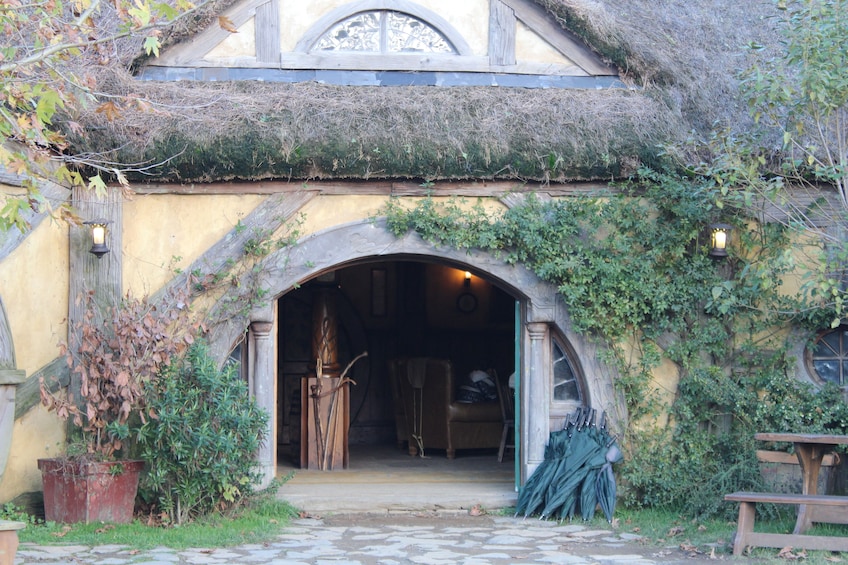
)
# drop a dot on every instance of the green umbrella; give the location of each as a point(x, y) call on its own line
point(587, 453)
point(605, 484)
point(570, 475)
point(589, 494)
point(531, 496)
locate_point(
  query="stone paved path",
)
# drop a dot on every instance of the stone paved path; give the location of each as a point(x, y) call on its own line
point(386, 539)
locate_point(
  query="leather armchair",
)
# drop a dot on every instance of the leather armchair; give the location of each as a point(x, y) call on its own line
point(432, 417)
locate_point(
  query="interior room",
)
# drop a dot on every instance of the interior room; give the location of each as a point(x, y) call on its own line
point(390, 324)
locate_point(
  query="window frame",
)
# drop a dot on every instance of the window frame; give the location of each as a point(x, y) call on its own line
point(323, 25)
point(840, 357)
point(563, 407)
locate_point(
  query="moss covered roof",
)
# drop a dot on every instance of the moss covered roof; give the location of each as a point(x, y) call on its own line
point(679, 59)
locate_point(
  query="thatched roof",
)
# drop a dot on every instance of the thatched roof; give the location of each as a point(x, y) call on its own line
point(681, 59)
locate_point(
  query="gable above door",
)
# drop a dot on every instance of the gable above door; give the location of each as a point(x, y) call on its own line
point(387, 42)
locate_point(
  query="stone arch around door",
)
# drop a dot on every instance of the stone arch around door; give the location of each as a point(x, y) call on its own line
point(543, 312)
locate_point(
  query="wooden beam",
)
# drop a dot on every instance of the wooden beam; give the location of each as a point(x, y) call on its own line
point(502, 29)
point(56, 375)
point(382, 188)
point(267, 25)
point(537, 19)
point(101, 275)
point(268, 217)
point(197, 48)
point(52, 192)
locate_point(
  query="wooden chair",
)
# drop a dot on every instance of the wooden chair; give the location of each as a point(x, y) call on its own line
point(507, 402)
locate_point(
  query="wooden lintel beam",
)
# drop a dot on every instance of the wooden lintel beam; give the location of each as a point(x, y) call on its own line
point(537, 19)
point(380, 188)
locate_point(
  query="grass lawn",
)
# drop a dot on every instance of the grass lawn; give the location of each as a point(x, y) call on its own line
point(665, 528)
point(259, 520)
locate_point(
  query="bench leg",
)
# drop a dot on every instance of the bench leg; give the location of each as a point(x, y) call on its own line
point(8, 546)
point(744, 526)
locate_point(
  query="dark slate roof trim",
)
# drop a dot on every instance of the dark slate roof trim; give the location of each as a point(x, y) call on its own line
point(377, 78)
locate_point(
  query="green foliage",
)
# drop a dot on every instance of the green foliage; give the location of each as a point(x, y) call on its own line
point(634, 271)
point(43, 76)
point(14, 513)
point(114, 356)
point(258, 520)
point(804, 91)
point(200, 446)
point(798, 98)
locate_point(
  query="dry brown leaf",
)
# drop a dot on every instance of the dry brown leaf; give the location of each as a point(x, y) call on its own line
point(110, 110)
point(227, 24)
point(786, 553)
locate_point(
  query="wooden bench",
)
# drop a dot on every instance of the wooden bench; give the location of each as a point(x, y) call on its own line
point(9, 540)
point(746, 536)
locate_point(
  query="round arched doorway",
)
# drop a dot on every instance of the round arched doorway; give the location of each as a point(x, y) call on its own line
point(542, 328)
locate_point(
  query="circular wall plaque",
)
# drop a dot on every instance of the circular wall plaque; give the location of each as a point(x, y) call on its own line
point(466, 302)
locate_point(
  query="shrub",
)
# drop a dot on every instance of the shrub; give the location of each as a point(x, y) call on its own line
point(201, 440)
point(114, 354)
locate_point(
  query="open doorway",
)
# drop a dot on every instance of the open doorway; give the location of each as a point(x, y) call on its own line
point(401, 310)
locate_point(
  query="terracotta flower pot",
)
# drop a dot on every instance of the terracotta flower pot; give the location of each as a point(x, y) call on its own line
point(89, 491)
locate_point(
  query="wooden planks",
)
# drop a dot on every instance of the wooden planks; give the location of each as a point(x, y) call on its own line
point(746, 536)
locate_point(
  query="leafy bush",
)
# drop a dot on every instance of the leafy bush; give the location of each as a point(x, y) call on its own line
point(650, 291)
point(201, 440)
point(113, 355)
point(711, 451)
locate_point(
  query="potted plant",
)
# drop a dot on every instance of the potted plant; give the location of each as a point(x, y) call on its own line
point(111, 359)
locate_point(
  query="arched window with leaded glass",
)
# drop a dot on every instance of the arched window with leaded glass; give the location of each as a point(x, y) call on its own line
point(384, 31)
point(567, 386)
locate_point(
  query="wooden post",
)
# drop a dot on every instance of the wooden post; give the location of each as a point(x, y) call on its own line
point(324, 404)
point(88, 273)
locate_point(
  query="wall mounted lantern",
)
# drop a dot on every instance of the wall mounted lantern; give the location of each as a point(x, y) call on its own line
point(467, 281)
point(98, 237)
point(719, 234)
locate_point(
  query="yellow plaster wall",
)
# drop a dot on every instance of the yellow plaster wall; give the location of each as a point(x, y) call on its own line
point(469, 17)
point(241, 44)
point(35, 435)
point(159, 228)
point(327, 211)
point(296, 17)
point(34, 286)
point(531, 48)
point(663, 386)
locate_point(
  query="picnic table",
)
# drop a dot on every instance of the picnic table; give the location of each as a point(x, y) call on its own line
point(810, 449)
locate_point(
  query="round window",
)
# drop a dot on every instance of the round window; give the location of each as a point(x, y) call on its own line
point(827, 357)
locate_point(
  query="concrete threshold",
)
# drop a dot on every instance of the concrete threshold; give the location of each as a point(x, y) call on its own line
point(383, 479)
